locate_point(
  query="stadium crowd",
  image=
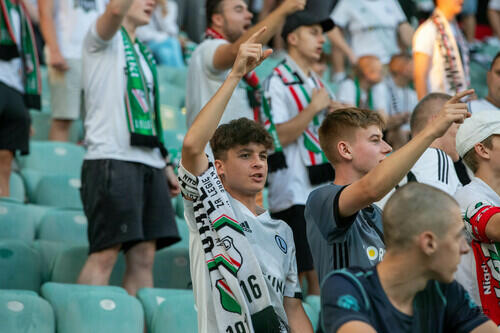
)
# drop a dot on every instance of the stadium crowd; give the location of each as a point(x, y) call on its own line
point(326, 166)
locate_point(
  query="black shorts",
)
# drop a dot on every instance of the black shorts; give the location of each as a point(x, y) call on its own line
point(15, 121)
point(126, 203)
point(294, 217)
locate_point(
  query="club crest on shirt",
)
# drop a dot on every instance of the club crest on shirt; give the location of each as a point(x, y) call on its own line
point(85, 5)
point(245, 226)
point(348, 302)
point(281, 243)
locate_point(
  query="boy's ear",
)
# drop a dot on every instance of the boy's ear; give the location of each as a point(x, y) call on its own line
point(345, 150)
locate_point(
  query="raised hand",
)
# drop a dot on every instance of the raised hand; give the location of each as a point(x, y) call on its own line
point(250, 55)
point(454, 111)
point(292, 6)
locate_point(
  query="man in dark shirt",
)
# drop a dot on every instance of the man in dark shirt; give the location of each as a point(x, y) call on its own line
point(412, 289)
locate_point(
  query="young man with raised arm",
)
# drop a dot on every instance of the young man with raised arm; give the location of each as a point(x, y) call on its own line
point(228, 26)
point(344, 228)
point(243, 263)
point(297, 101)
point(412, 289)
point(125, 179)
point(478, 142)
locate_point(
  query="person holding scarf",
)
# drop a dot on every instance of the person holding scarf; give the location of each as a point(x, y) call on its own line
point(440, 52)
point(228, 26)
point(20, 84)
point(296, 101)
point(125, 184)
point(364, 90)
point(242, 261)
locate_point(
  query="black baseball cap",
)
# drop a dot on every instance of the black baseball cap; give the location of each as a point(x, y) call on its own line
point(305, 17)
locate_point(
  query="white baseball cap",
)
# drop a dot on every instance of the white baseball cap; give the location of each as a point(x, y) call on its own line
point(477, 128)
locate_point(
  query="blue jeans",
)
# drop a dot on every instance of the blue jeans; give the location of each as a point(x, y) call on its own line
point(168, 52)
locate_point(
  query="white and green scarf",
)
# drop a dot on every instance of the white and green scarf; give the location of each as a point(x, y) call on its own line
point(143, 115)
point(313, 157)
point(240, 295)
point(9, 49)
point(454, 52)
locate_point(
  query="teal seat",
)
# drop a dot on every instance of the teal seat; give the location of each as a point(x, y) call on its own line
point(172, 95)
point(31, 179)
point(179, 207)
point(64, 226)
point(48, 252)
point(171, 268)
point(58, 191)
point(173, 75)
point(267, 66)
point(24, 312)
point(314, 301)
point(312, 314)
point(96, 309)
point(16, 185)
point(54, 158)
point(174, 139)
point(19, 266)
point(183, 233)
point(68, 265)
point(16, 222)
point(173, 118)
point(152, 298)
point(175, 156)
point(176, 314)
point(40, 122)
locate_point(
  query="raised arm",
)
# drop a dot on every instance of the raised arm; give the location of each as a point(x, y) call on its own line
point(226, 54)
point(385, 176)
point(336, 37)
point(109, 22)
point(405, 34)
point(250, 55)
point(55, 58)
point(421, 67)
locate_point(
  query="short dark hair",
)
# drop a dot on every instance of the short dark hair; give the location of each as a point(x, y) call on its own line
point(494, 59)
point(212, 7)
point(422, 112)
point(238, 132)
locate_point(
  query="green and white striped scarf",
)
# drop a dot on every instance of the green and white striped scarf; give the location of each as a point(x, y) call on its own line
point(230, 260)
point(313, 157)
point(9, 49)
point(143, 115)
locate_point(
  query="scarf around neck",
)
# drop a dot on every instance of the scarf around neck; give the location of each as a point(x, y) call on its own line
point(454, 54)
point(9, 49)
point(143, 115)
point(240, 296)
point(313, 157)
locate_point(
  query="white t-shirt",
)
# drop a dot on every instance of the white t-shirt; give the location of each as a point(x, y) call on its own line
point(468, 197)
point(277, 262)
point(160, 27)
point(424, 41)
point(204, 80)
point(399, 99)
point(481, 105)
point(346, 93)
point(11, 72)
point(73, 19)
point(104, 81)
point(494, 4)
point(290, 186)
point(434, 168)
point(372, 26)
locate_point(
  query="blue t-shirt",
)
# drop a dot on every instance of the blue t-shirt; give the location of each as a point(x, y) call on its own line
point(357, 295)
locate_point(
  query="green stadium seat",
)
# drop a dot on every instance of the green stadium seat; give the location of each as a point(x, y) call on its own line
point(54, 158)
point(16, 185)
point(31, 178)
point(173, 75)
point(172, 95)
point(40, 121)
point(314, 301)
point(173, 118)
point(96, 309)
point(179, 207)
point(58, 191)
point(312, 314)
point(64, 226)
point(174, 155)
point(15, 222)
point(48, 252)
point(183, 233)
point(176, 314)
point(174, 139)
point(152, 298)
point(19, 266)
point(171, 268)
point(266, 67)
point(24, 312)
